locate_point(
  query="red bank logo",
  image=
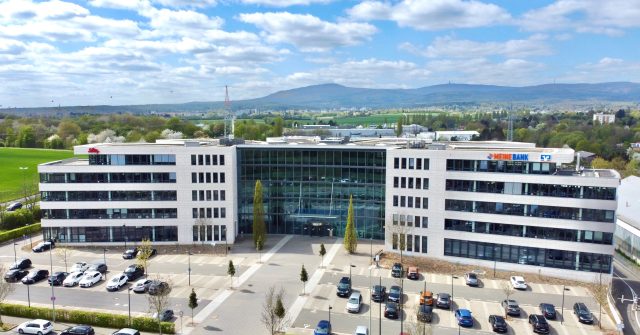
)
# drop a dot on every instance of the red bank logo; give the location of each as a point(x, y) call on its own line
point(93, 151)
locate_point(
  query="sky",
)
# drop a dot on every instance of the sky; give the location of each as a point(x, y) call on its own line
point(114, 52)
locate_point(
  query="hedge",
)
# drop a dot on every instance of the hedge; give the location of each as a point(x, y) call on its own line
point(97, 319)
point(19, 232)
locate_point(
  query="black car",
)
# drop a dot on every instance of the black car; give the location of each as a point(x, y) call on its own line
point(425, 313)
point(166, 315)
point(12, 276)
point(21, 264)
point(134, 272)
point(35, 276)
point(130, 253)
point(582, 312)
point(396, 270)
point(498, 324)
point(443, 300)
point(511, 307)
point(378, 293)
point(44, 246)
point(344, 287)
point(158, 287)
point(14, 206)
point(57, 278)
point(538, 324)
point(548, 310)
point(391, 310)
point(78, 330)
point(395, 293)
point(98, 266)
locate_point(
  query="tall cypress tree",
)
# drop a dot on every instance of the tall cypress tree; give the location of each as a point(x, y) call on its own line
point(350, 237)
point(259, 231)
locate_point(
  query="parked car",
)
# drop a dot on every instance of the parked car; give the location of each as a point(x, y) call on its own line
point(538, 324)
point(413, 273)
point(13, 276)
point(57, 278)
point(463, 317)
point(498, 324)
point(98, 266)
point(44, 246)
point(471, 279)
point(158, 287)
point(117, 282)
point(73, 279)
point(134, 271)
point(78, 330)
point(378, 293)
point(130, 253)
point(344, 287)
point(354, 303)
point(426, 298)
point(548, 310)
point(90, 278)
point(443, 300)
point(425, 313)
point(79, 267)
point(126, 331)
point(518, 283)
point(511, 307)
point(141, 286)
point(396, 270)
point(35, 276)
point(395, 293)
point(391, 310)
point(166, 315)
point(21, 264)
point(361, 330)
point(323, 328)
point(582, 312)
point(14, 206)
point(37, 326)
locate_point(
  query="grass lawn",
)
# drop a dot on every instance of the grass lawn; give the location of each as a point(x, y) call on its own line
point(11, 159)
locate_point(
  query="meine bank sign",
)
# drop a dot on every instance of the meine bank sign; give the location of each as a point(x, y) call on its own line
point(501, 156)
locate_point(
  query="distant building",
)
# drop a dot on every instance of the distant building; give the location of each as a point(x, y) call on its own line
point(458, 135)
point(627, 236)
point(604, 118)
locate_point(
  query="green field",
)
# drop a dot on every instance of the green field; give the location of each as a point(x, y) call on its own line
point(12, 178)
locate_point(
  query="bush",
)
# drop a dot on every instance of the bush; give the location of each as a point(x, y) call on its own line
point(18, 218)
point(19, 232)
point(97, 319)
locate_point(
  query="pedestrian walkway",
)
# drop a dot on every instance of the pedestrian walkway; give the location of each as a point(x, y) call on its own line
point(60, 326)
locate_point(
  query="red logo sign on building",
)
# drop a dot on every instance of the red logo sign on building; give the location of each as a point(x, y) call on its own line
point(93, 151)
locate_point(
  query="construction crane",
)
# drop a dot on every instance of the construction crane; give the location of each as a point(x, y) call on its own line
point(229, 117)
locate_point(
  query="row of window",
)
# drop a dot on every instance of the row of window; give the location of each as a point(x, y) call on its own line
point(322, 157)
point(209, 212)
point(120, 177)
point(209, 233)
point(111, 213)
point(411, 220)
point(111, 234)
point(410, 202)
point(567, 213)
point(547, 233)
point(208, 195)
point(409, 242)
point(544, 190)
point(207, 159)
point(408, 182)
point(160, 159)
point(109, 196)
point(411, 163)
point(562, 259)
point(207, 177)
point(500, 166)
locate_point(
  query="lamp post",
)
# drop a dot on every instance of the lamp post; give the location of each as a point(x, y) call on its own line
point(495, 261)
point(452, 277)
point(124, 234)
point(189, 268)
point(370, 299)
point(564, 288)
point(350, 266)
point(400, 309)
point(24, 181)
point(15, 257)
point(380, 310)
point(53, 296)
point(28, 296)
point(129, 304)
point(330, 308)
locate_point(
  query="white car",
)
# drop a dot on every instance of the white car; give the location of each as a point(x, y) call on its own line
point(518, 283)
point(117, 282)
point(79, 267)
point(37, 326)
point(73, 279)
point(354, 302)
point(361, 330)
point(90, 278)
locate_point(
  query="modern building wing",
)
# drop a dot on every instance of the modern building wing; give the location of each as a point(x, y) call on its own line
point(627, 238)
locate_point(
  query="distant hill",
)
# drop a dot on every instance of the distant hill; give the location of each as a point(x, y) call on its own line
point(328, 96)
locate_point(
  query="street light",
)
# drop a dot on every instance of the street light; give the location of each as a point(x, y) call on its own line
point(189, 268)
point(452, 277)
point(380, 311)
point(129, 304)
point(53, 296)
point(495, 260)
point(330, 308)
point(15, 258)
point(124, 234)
point(24, 181)
point(564, 288)
point(350, 266)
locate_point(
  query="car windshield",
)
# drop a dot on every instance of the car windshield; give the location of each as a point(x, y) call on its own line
point(443, 298)
point(353, 300)
point(394, 290)
point(322, 329)
point(472, 276)
point(520, 282)
point(499, 320)
point(343, 285)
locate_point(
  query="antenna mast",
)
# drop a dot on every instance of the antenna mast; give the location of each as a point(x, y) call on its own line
point(229, 118)
point(510, 129)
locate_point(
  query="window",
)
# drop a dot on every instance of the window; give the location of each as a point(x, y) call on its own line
point(193, 159)
point(208, 213)
point(419, 164)
point(418, 183)
point(214, 159)
point(409, 242)
point(396, 163)
point(223, 212)
point(208, 195)
point(402, 201)
point(216, 213)
point(411, 163)
point(395, 201)
point(418, 202)
point(395, 182)
point(424, 246)
point(425, 222)
point(425, 203)
point(194, 177)
point(410, 183)
point(201, 212)
point(395, 219)
point(215, 195)
point(404, 163)
point(215, 177)
point(221, 159)
point(425, 165)
point(222, 177)
point(223, 195)
point(416, 244)
point(200, 160)
point(201, 177)
point(410, 220)
point(410, 202)
point(425, 183)
point(416, 221)
point(201, 195)
point(403, 182)
point(194, 195)
point(208, 177)
point(207, 160)
point(195, 213)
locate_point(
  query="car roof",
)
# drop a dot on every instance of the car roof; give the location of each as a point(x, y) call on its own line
point(464, 312)
point(361, 329)
point(127, 331)
point(517, 278)
point(323, 323)
point(443, 295)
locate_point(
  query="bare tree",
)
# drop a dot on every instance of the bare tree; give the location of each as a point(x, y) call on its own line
point(274, 317)
point(144, 254)
point(399, 234)
point(600, 292)
point(5, 288)
point(159, 301)
point(201, 224)
point(508, 290)
point(64, 253)
point(417, 327)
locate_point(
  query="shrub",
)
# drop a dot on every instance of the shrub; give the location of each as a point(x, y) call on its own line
point(18, 218)
point(19, 232)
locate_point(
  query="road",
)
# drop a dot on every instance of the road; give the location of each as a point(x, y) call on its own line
point(626, 283)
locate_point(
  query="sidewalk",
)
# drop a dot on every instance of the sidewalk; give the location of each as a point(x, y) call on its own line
point(59, 326)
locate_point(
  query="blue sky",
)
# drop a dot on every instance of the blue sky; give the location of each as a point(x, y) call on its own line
point(169, 51)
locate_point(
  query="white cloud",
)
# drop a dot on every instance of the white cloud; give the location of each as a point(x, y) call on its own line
point(433, 14)
point(187, 3)
point(307, 32)
point(607, 69)
point(448, 46)
point(483, 71)
point(283, 3)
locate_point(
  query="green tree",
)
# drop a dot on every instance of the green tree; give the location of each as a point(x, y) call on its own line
point(323, 252)
point(350, 237)
point(68, 128)
point(193, 302)
point(144, 254)
point(26, 137)
point(304, 277)
point(279, 311)
point(259, 230)
point(399, 127)
point(231, 271)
